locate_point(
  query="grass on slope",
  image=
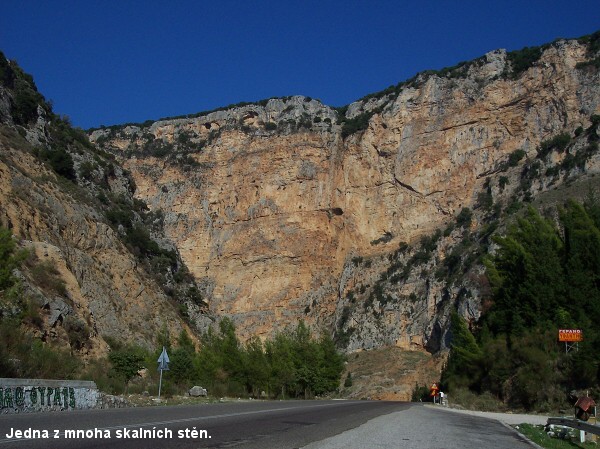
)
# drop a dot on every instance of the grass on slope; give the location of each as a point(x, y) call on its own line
point(539, 436)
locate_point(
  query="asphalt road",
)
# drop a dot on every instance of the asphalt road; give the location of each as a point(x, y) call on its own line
point(285, 424)
point(294, 424)
point(422, 427)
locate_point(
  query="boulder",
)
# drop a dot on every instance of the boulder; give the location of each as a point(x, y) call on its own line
point(196, 391)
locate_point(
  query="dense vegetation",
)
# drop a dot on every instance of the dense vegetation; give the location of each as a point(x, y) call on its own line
point(292, 364)
point(545, 275)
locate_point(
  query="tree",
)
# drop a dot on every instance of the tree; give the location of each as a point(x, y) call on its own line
point(582, 263)
point(256, 367)
point(209, 359)
point(127, 362)
point(331, 365)
point(306, 359)
point(11, 298)
point(164, 338)
point(7, 260)
point(230, 350)
point(279, 354)
point(526, 276)
point(292, 363)
point(545, 275)
point(181, 365)
point(462, 369)
point(61, 162)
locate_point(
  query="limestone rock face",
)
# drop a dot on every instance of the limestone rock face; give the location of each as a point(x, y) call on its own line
point(104, 289)
point(268, 203)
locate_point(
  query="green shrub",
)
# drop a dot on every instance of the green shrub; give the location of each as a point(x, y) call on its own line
point(592, 42)
point(24, 357)
point(8, 262)
point(470, 400)
point(193, 294)
point(47, 362)
point(77, 331)
point(118, 215)
point(356, 124)
point(348, 381)
point(522, 60)
point(485, 200)
point(126, 363)
point(31, 314)
point(420, 394)
point(559, 143)
point(183, 138)
point(102, 197)
point(385, 238)
point(99, 371)
point(25, 105)
point(464, 218)
point(7, 75)
point(60, 161)
point(139, 239)
point(515, 157)
point(86, 170)
point(345, 316)
point(46, 276)
point(305, 122)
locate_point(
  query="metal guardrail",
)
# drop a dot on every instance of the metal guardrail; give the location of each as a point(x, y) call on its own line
point(575, 424)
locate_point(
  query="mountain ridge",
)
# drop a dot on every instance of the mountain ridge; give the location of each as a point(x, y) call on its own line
point(377, 167)
point(523, 58)
point(368, 222)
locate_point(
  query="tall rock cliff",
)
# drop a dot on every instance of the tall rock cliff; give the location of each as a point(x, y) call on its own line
point(82, 281)
point(288, 209)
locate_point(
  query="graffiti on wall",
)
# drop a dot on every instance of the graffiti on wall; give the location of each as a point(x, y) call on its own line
point(63, 397)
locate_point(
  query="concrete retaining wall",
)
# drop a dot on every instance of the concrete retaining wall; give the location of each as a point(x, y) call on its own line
point(37, 395)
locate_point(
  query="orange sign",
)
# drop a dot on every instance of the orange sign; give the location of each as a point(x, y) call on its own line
point(434, 389)
point(570, 335)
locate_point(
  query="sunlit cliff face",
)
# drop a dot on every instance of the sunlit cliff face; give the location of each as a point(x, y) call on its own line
point(268, 204)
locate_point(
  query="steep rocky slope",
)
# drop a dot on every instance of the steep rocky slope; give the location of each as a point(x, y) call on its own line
point(288, 209)
point(82, 281)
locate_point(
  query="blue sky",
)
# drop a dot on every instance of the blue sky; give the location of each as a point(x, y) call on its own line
point(109, 62)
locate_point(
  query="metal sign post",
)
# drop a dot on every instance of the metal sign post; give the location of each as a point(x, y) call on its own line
point(163, 365)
